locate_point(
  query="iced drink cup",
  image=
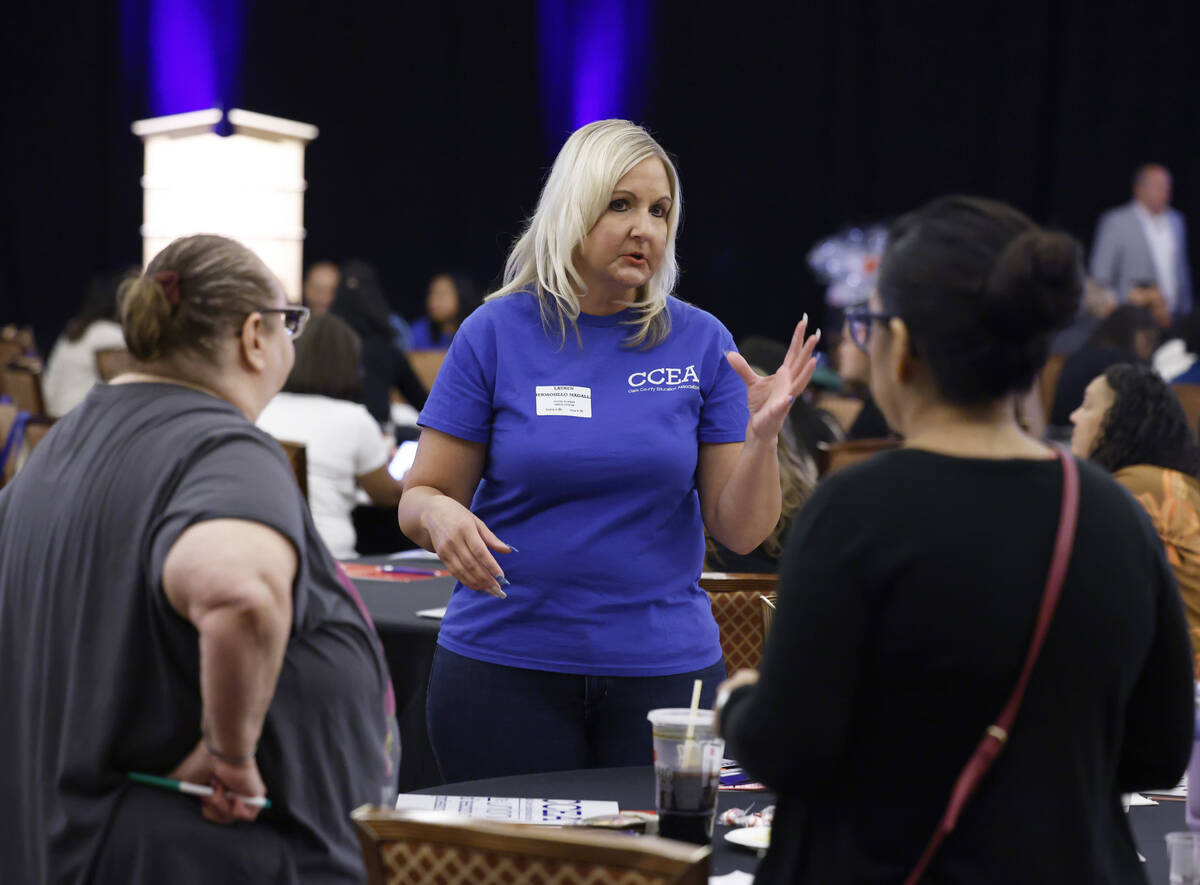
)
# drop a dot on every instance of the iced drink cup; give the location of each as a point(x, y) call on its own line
point(1184, 849)
point(687, 773)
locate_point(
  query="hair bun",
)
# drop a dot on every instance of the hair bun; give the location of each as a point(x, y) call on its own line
point(145, 317)
point(1037, 282)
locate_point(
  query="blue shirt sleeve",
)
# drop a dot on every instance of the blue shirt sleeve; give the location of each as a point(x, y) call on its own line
point(725, 413)
point(461, 401)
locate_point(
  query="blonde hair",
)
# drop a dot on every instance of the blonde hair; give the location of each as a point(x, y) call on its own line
point(577, 192)
point(797, 479)
point(194, 292)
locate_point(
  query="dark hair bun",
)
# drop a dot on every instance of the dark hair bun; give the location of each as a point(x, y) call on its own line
point(145, 317)
point(981, 288)
point(1036, 284)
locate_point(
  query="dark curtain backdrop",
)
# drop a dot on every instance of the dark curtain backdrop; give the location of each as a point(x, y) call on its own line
point(787, 124)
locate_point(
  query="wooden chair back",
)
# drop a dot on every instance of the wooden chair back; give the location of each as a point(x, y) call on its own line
point(8, 417)
point(768, 614)
point(297, 456)
point(414, 848)
point(23, 384)
point(833, 457)
point(1048, 381)
point(734, 597)
point(35, 431)
point(10, 349)
point(1189, 398)
point(112, 361)
point(426, 364)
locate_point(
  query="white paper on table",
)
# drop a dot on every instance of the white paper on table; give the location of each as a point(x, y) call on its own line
point(737, 877)
point(511, 810)
point(415, 554)
point(437, 613)
point(1131, 799)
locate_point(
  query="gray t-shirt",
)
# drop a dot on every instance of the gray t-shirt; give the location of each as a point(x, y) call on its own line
point(101, 674)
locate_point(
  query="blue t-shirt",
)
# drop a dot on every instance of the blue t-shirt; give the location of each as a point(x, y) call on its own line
point(591, 473)
point(425, 336)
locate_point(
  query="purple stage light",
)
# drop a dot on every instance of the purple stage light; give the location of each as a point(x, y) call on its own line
point(191, 48)
point(593, 56)
point(183, 74)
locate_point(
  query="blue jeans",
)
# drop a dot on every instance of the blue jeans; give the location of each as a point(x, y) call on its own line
point(489, 720)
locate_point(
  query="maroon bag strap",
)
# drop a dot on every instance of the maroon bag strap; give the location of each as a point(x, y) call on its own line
point(996, 734)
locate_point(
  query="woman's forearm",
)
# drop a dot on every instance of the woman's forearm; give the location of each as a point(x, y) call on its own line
point(749, 505)
point(411, 512)
point(241, 652)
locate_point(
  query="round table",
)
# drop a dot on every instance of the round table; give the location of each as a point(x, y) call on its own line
point(633, 790)
point(408, 645)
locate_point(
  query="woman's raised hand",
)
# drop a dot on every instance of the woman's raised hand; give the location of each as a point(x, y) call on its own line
point(771, 397)
point(462, 541)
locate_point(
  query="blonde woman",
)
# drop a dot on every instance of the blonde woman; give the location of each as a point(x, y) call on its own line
point(585, 428)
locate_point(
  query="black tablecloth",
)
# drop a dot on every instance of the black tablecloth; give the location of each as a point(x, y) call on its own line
point(408, 644)
point(633, 789)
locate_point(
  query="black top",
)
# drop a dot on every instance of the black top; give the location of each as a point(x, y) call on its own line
point(908, 594)
point(869, 423)
point(385, 367)
point(101, 675)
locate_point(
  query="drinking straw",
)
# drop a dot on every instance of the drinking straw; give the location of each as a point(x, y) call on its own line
point(692, 712)
point(689, 746)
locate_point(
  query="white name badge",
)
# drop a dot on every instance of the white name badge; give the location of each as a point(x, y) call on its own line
point(563, 399)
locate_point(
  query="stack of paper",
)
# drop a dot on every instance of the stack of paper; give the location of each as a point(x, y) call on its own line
point(518, 811)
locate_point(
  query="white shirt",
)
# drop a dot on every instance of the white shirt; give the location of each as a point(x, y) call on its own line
point(342, 441)
point(1162, 251)
point(71, 367)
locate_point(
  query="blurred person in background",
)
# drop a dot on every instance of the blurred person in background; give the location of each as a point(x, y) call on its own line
point(360, 302)
point(450, 300)
point(71, 367)
point(1098, 302)
point(1129, 334)
point(321, 406)
point(1132, 425)
point(320, 287)
point(1143, 245)
point(1176, 359)
point(854, 366)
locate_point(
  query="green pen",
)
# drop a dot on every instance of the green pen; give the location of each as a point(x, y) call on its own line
point(194, 789)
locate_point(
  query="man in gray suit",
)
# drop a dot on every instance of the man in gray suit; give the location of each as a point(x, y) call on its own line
point(1144, 244)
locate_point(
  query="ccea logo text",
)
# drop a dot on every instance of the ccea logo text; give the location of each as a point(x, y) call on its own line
point(664, 379)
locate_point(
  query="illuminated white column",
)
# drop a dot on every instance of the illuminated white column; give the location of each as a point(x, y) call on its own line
point(248, 185)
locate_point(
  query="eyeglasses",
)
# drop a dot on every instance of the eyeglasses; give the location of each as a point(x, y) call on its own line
point(858, 323)
point(294, 318)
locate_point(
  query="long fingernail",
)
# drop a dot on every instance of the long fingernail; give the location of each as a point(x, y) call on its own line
point(804, 319)
point(499, 594)
point(817, 334)
point(513, 549)
point(502, 581)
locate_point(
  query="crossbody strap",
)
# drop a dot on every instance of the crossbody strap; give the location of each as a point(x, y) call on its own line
point(996, 734)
